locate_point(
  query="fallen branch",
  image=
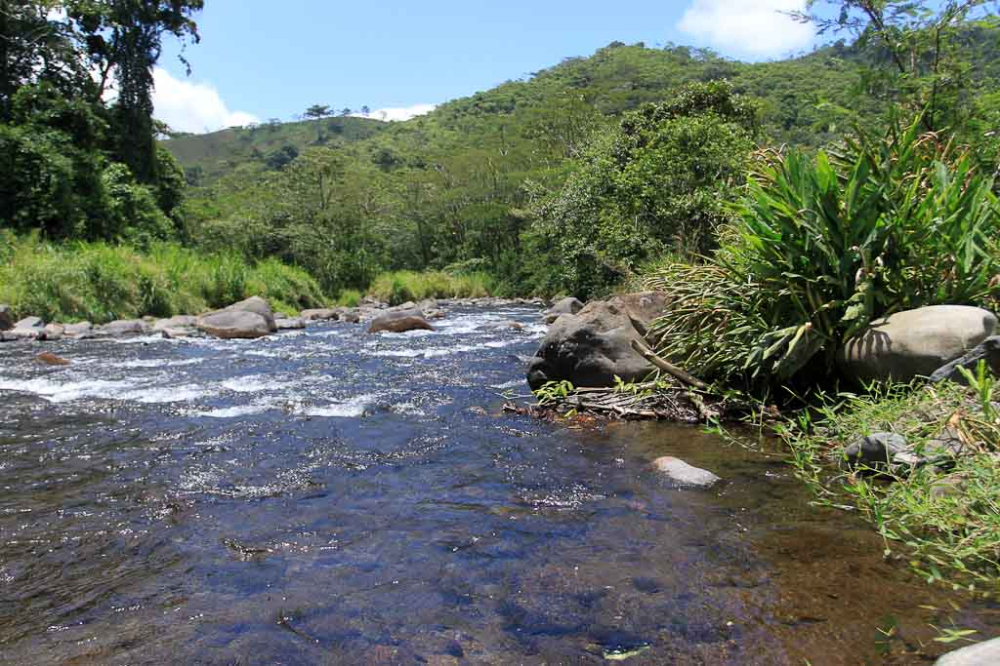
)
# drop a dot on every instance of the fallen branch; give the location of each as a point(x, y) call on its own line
point(669, 368)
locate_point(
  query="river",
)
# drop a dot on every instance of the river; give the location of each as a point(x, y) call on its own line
point(332, 497)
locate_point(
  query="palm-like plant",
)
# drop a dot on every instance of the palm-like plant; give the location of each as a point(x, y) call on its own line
point(822, 246)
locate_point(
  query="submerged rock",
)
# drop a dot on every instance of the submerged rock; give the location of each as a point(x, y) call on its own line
point(684, 474)
point(915, 343)
point(400, 321)
point(594, 346)
point(349, 315)
point(981, 654)
point(48, 358)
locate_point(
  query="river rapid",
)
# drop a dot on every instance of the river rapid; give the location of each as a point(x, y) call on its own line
point(332, 497)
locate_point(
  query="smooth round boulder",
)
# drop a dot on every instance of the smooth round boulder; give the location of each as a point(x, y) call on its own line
point(915, 343)
point(986, 653)
point(54, 332)
point(400, 321)
point(683, 474)
point(257, 306)
point(232, 324)
point(591, 348)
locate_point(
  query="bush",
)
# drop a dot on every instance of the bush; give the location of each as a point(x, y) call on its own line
point(823, 245)
point(404, 286)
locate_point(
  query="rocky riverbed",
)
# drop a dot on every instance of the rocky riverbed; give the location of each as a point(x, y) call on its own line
point(330, 495)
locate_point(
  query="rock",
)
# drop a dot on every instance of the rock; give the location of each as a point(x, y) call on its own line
point(54, 332)
point(30, 322)
point(290, 324)
point(877, 450)
point(6, 318)
point(80, 331)
point(248, 319)
point(981, 654)
point(915, 343)
point(434, 314)
point(48, 358)
point(988, 351)
point(886, 450)
point(256, 305)
point(29, 328)
point(349, 315)
point(230, 325)
point(321, 314)
point(685, 475)
point(567, 305)
point(180, 326)
point(123, 328)
point(400, 321)
point(515, 326)
point(592, 347)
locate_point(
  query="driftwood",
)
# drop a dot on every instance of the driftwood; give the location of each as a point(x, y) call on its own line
point(646, 402)
point(669, 368)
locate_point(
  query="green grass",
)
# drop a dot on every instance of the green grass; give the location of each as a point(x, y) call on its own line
point(98, 282)
point(403, 286)
point(945, 520)
point(349, 298)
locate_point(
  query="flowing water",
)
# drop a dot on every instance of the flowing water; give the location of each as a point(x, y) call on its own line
point(330, 497)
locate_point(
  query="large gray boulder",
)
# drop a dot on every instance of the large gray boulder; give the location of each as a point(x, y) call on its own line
point(980, 654)
point(249, 319)
point(593, 346)
point(232, 325)
point(400, 321)
point(914, 343)
point(6, 318)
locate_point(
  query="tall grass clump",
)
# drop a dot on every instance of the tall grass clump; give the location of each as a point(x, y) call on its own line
point(945, 517)
point(823, 245)
point(100, 282)
point(400, 287)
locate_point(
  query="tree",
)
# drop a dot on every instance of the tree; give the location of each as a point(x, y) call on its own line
point(317, 111)
point(345, 112)
point(365, 111)
point(124, 39)
point(913, 48)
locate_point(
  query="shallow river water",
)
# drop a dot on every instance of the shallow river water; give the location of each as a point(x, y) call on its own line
point(330, 497)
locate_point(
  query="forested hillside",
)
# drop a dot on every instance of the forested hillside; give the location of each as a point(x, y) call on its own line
point(465, 187)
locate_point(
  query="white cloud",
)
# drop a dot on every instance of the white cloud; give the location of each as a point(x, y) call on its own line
point(187, 106)
point(392, 114)
point(751, 28)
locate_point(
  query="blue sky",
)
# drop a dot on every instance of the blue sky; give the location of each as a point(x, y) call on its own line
point(261, 59)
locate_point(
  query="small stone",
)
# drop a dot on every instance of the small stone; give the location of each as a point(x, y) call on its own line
point(685, 475)
point(290, 324)
point(48, 358)
point(881, 448)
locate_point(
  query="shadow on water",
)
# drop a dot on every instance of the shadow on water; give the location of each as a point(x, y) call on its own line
point(333, 498)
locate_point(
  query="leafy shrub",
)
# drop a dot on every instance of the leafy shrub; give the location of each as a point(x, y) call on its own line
point(403, 286)
point(823, 245)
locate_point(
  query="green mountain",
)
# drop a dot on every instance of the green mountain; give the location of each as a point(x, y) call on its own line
point(206, 157)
